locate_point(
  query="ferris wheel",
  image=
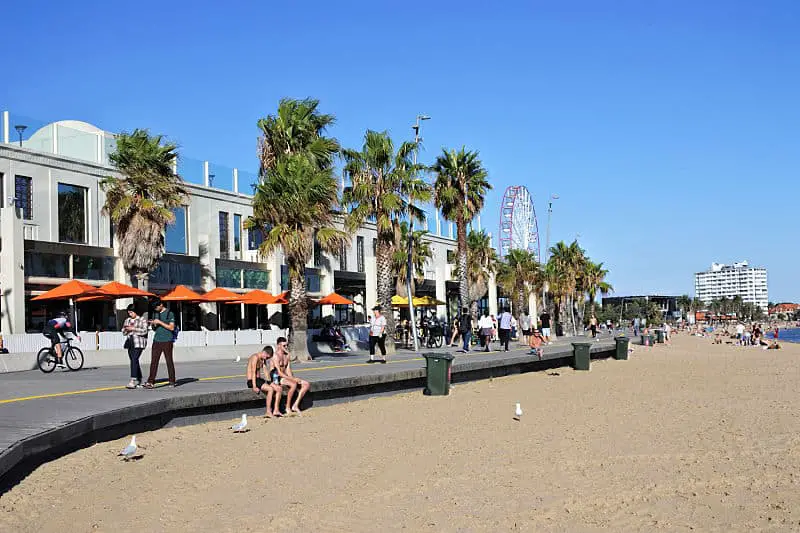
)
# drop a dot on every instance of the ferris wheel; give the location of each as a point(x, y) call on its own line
point(518, 227)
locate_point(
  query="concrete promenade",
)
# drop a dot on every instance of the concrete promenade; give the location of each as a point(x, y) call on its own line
point(46, 415)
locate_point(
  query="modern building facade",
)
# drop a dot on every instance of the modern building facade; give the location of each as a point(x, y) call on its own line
point(52, 229)
point(728, 281)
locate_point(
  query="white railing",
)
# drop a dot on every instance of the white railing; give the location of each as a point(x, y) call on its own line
point(114, 340)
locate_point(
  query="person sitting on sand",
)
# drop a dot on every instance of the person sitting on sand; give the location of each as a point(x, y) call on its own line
point(281, 374)
point(536, 341)
point(774, 346)
point(256, 374)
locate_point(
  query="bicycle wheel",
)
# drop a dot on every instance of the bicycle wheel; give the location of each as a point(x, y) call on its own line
point(46, 360)
point(74, 358)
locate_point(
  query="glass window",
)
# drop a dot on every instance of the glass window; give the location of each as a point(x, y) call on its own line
point(98, 268)
point(223, 234)
point(360, 253)
point(375, 248)
point(284, 278)
point(255, 237)
point(256, 279)
point(71, 213)
point(229, 277)
point(343, 257)
point(176, 232)
point(451, 258)
point(237, 233)
point(317, 253)
point(22, 192)
point(46, 265)
point(312, 280)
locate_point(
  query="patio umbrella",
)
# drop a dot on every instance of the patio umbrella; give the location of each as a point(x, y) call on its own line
point(282, 298)
point(255, 297)
point(427, 301)
point(115, 290)
point(180, 294)
point(334, 299)
point(220, 295)
point(68, 291)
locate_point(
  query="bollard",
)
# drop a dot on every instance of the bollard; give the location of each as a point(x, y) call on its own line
point(581, 351)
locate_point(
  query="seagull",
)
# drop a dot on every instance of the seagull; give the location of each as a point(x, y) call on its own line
point(518, 412)
point(130, 449)
point(238, 358)
point(241, 427)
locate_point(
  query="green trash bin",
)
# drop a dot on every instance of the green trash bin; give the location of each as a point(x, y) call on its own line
point(622, 348)
point(437, 367)
point(660, 336)
point(582, 358)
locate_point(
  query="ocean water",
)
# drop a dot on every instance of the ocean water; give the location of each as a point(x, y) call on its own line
point(787, 335)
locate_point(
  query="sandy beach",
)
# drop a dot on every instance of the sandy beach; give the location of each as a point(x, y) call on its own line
point(689, 437)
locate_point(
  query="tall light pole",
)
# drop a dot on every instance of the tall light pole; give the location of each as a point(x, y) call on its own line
point(20, 128)
point(547, 246)
point(410, 266)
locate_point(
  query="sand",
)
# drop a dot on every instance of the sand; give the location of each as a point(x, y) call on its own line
point(688, 437)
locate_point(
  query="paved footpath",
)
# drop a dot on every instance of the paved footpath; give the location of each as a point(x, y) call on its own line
point(33, 402)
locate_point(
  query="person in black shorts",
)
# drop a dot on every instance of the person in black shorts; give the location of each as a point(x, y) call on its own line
point(258, 366)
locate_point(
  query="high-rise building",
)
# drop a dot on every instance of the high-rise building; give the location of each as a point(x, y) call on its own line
point(727, 281)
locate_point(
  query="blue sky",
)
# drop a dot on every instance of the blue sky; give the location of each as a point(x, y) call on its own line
point(669, 128)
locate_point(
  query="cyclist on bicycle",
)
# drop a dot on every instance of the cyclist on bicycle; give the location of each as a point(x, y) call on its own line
point(54, 330)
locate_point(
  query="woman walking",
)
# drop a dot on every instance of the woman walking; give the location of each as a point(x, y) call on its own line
point(135, 330)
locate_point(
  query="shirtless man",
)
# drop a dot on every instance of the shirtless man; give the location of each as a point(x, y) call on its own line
point(281, 374)
point(256, 366)
point(536, 341)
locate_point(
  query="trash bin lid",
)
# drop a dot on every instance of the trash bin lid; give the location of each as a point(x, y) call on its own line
point(439, 355)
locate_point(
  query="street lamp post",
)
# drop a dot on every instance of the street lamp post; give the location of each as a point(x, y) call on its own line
point(20, 128)
point(547, 246)
point(410, 266)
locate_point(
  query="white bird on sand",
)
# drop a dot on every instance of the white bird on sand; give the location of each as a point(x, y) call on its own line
point(518, 412)
point(241, 427)
point(237, 359)
point(130, 449)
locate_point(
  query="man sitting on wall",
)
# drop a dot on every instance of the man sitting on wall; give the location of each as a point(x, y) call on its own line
point(536, 342)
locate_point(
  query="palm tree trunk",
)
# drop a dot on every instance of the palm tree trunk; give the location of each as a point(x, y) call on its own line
point(463, 287)
point(298, 313)
point(385, 287)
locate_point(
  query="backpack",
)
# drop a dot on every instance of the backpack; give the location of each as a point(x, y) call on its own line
point(175, 331)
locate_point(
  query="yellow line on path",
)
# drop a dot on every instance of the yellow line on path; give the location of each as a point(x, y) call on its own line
point(212, 378)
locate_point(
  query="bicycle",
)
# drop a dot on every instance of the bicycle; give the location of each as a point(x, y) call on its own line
point(71, 355)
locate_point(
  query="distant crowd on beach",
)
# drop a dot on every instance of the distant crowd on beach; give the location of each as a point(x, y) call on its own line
point(752, 334)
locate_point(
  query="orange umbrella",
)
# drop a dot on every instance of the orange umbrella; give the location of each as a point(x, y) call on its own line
point(68, 290)
point(282, 298)
point(255, 297)
point(334, 299)
point(220, 295)
point(181, 293)
point(114, 290)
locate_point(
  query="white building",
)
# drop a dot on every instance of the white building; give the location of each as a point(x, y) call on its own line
point(727, 281)
point(52, 230)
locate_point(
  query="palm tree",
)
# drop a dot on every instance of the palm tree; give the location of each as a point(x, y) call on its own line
point(295, 196)
point(384, 186)
point(562, 271)
point(140, 202)
point(297, 128)
point(684, 303)
point(481, 264)
point(459, 191)
point(522, 275)
point(293, 205)
point(421, 255)
point(593, 279)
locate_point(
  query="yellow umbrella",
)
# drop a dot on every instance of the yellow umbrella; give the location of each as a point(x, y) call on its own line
point(427, 301)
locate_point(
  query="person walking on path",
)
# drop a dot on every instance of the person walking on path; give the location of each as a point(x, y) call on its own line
point(593, 326)
point(525, 326)
point(465, 328)
point(135, 330)
point(486, 330)
point(545, 318)
point(377, 335)
point(163, 324)
point(505, 329)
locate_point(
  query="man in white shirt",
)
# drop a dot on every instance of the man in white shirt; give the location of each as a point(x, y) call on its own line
point(739, 333)
point(525, 326)
point(377, 335)
point(505, 329)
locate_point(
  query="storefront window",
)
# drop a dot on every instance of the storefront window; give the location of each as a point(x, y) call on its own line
point(97, 268)
point(256, 279)
point(46, 265)
point(71, 213)
point(229, 277)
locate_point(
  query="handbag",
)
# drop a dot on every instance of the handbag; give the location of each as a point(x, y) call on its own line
point(128, 343)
